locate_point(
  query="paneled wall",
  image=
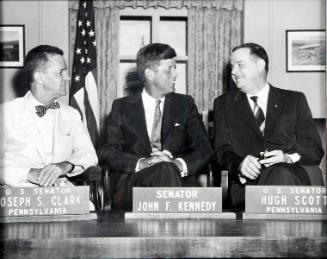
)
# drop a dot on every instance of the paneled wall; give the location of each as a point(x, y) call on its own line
point(46, 22)
point(265, 22)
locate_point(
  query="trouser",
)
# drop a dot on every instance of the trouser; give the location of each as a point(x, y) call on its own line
point(277, 174)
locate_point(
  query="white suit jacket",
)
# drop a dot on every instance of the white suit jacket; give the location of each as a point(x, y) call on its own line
point(22, 148)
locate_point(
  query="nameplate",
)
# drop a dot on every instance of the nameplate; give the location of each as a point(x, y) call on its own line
point(177, 200)
point(37, 201)
point(310, 200)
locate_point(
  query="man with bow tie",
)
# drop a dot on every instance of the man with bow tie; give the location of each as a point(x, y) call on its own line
point(263, 135)
point(43, 141)
point(156, 138)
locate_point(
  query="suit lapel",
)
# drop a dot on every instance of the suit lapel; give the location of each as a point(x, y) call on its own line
point(169, 114)
point(137, 120)
point(245, 113)
point(274, 108)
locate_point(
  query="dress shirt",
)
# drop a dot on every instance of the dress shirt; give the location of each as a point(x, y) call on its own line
point(45, 126)
point(149, 104)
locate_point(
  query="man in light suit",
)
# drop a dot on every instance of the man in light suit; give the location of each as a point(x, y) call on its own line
point(263, 135)
point(157, 138)
point(43, 141)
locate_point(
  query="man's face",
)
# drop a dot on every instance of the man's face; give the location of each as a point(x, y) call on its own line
point(246, 70)
point(164, 76)
point(55, 76)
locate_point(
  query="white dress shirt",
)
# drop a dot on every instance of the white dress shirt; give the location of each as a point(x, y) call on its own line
point(149, 104)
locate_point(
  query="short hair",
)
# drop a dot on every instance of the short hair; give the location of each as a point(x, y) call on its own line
point(257, 51)
point(150, 55)
point(37, 58)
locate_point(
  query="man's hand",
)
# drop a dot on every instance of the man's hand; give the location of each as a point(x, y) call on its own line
point(250, 167)
point(275, 156)
point(160, 156)
point(48, 175)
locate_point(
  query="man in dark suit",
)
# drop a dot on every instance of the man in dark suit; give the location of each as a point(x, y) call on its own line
point(157, 138)
point(263, 135)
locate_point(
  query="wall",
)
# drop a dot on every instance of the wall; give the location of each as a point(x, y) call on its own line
point(265, 22)
point(46, 22)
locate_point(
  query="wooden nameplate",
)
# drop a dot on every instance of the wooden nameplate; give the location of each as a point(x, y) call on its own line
point(51, 218)
point(177, 202)
point(137, 215)
point(44, 204)
point(284, 216)
point(285, 202)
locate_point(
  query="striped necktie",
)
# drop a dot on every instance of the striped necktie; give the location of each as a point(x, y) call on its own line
point(156, 128)
point(258, 114)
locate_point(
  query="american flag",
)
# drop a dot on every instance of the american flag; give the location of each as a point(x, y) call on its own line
point(84, 92)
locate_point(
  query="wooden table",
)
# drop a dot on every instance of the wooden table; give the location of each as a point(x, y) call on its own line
point(112, 236)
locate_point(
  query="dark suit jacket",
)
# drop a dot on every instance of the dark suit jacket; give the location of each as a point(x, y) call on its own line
point(127, 140)
point(289, 127)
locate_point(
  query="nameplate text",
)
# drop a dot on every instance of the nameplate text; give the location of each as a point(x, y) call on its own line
point(285, 199)
point(34, 201)
point(177, 200)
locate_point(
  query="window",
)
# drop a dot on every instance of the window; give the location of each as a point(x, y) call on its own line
point(139, 27)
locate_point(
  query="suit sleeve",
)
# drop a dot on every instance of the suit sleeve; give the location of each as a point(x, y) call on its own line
point(308, 142)
point(199, 149)
point(112, 152)
point(83, 153)
point(224, 154)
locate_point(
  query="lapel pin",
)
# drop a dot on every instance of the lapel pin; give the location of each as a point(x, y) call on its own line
point(276, 105)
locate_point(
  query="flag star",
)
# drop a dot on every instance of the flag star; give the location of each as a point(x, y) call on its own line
point(88, 23)
point(91, 33)
point(80, 23)
point(78, 51)
point(77, 78)
point(84, 42)
point(85, 51)
point(84, 4)
point(88, 60)
point(82, 60)
point(83, 32)
point(85, 14)
point(94, 43)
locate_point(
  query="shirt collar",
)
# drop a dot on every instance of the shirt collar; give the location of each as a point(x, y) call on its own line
point(149, 99)
point(262, 94)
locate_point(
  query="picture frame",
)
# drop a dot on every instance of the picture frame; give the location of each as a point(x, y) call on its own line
point(12, 46)
point(305, 51)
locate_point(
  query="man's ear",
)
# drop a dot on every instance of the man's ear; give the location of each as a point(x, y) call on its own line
point(38, 78)
point(261, 63)
point(149, 74)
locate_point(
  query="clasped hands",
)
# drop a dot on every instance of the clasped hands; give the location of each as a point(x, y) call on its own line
point(49, 175)
point(158, 156)
point(250, 166)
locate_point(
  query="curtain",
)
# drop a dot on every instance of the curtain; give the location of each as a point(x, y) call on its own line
point(214, 28)
point(212, 34)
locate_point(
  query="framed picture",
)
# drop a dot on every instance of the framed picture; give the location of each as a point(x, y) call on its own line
point(305, 50)
point(12, 46)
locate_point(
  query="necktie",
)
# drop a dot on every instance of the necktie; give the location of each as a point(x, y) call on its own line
point(258, 114)
point(156, 128)
point(42, 109)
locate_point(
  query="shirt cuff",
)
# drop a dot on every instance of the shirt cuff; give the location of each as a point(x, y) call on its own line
point(294, 157)
point(137, 167)
point(77, 169)
point(184, 167)
point(242, 179)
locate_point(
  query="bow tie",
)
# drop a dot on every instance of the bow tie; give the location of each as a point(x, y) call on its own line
point(42, 109)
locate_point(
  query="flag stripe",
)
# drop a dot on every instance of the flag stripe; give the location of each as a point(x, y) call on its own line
point(84, 92)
